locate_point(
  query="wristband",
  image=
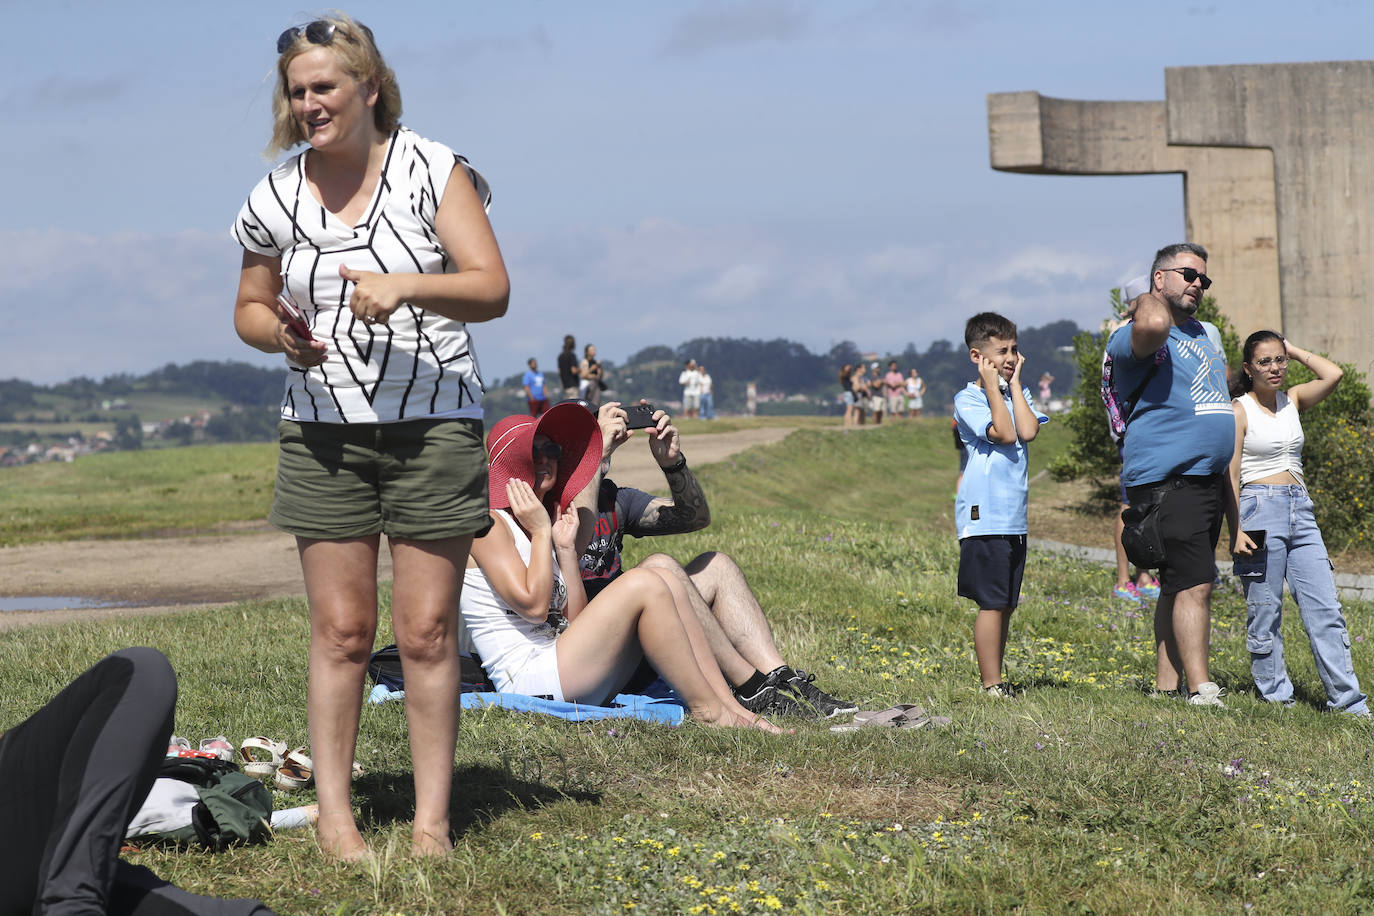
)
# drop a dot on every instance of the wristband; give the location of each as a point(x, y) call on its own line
point(681, 465)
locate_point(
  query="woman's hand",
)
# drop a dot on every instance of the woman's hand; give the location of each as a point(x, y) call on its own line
point(565, 531)
point(1242, 545)
point(300, 351)
point(375, 295)
point(526, 507)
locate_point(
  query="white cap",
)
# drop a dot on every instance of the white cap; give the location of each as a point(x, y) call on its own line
point(1135, 287)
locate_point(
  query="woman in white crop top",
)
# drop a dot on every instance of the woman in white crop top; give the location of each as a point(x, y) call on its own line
point(526, 568)
point(1274, 533)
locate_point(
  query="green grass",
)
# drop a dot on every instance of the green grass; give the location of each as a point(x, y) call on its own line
point(1084, 795)
point(134, 494)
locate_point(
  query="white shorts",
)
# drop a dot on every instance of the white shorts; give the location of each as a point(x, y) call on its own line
point(895, 403)
point(536, 676)
point(691, 401)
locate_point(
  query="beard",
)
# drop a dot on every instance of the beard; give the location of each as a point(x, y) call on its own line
point(1184, 305)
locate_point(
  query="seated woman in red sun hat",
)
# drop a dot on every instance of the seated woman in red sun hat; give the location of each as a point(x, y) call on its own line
point(523, 605)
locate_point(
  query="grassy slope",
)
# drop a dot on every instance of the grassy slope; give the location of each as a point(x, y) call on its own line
point(1084, 795)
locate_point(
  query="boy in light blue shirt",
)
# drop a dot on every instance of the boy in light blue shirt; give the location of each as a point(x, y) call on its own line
point(996, 420)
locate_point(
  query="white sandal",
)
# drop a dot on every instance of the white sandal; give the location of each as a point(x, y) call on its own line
point(296, 771)
point(251, 760)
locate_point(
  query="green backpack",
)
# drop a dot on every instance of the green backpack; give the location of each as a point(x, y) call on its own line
point(233, 808)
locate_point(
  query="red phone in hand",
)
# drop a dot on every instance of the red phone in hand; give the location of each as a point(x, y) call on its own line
point(295, 319)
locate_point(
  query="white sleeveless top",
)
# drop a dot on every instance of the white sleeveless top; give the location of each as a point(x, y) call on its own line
point(1273, 443)
point(505, 640)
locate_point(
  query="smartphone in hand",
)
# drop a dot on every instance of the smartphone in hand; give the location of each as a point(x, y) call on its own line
point(639, 416)
point(295, 318)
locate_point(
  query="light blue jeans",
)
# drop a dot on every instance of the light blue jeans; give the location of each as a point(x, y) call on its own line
point(1293, 550)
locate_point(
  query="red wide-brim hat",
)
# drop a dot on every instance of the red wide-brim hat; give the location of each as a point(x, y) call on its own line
point(510, 451)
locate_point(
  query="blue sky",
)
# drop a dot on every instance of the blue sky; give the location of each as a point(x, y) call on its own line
point(660, 171)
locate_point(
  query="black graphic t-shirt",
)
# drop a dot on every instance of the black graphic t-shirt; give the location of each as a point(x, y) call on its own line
point(616, 507)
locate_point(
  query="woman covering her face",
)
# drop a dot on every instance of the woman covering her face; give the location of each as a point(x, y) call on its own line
point(365, 256)
point(1274, 533)
point(523, 605)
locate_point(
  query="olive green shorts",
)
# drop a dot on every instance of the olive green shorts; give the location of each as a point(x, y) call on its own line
point(417, 479)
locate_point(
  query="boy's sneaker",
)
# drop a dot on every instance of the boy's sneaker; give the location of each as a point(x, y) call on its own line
point(1208, 694)
point(804, 684)
point(1127, 592)
point(777, 700)
point(998, 691)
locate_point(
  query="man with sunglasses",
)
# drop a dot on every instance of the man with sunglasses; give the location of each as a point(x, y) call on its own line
point(715, 586)
point(1176, 454)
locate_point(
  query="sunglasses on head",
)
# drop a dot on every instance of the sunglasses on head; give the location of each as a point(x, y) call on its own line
point(319, 32)
point(1189, 275)
point(550, 450)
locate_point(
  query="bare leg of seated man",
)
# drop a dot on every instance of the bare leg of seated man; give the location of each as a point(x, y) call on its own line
point(740, 638)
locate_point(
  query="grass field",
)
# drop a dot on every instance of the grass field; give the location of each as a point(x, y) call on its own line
point(1084, 795)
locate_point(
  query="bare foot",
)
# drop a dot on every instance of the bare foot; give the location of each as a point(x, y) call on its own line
point(338, 838)
point(715, 717)
point(430, 841)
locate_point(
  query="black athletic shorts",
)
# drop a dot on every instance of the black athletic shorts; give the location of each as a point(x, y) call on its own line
point(1190, 513)
point(990, 570)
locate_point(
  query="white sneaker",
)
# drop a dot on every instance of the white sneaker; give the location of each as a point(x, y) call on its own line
point(1208, 694)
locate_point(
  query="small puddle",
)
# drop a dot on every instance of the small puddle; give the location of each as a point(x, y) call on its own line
point(52, 603)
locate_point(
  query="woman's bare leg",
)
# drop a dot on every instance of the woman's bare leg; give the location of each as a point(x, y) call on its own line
point(424, 617)
point(341, 586)
point(634, 611)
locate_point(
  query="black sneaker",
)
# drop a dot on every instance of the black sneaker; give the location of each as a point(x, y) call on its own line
point(804, 684)
point(777, 700)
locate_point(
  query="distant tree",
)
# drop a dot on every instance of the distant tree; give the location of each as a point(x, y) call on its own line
point(128, 433)
point(652, 355)
point(180, 431)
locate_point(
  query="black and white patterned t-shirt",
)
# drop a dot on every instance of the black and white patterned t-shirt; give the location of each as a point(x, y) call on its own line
point(420, 365)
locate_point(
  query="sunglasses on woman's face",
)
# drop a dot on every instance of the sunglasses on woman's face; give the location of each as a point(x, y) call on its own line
point(550, 450)
point(319, 32)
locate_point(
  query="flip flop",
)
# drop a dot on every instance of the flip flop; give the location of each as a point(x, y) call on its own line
point(296, 770)
point(251, 755)
point(903, 715)
point(905, 709)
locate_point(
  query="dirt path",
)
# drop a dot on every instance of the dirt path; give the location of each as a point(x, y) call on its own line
point(246, 563)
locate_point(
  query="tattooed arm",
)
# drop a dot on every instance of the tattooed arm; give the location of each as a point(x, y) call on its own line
point(686, 509)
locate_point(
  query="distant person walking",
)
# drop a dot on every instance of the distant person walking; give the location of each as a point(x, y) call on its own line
point(690, 380)
point(590, 371)
point(1274, 533)
point(382, 238)
point(568, 375)
point(847, 393)
point(534, 389)
point(708, 399)
point(877, 397)
point(859, 383)
point(1046, 380)
point(894, 387)
point(915, 394)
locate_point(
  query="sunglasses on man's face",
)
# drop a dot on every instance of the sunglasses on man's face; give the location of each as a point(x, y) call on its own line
point(1189, 275)
point(550, 450)
point(319, 32)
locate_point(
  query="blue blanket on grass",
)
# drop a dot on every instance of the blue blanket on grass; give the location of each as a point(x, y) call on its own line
point(667, 709)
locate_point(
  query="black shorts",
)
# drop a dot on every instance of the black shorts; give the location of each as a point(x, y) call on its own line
point(1190, 513)
point(990, 570)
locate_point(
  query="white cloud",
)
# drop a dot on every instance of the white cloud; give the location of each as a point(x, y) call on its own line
point(714, 25)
